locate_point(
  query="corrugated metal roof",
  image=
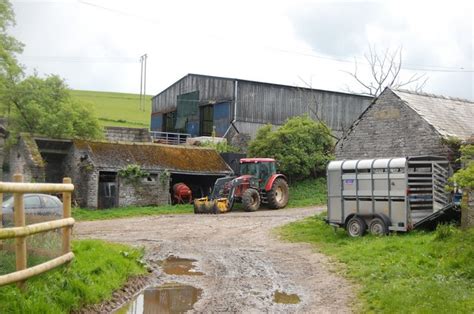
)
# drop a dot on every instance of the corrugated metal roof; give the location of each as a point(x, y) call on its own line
point(449, 116)
point(148, 156)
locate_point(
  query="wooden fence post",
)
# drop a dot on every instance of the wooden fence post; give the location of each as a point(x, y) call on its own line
point(19, 217)
point(67, 214)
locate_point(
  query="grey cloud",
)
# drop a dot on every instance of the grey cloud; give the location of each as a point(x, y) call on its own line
point(338, 28)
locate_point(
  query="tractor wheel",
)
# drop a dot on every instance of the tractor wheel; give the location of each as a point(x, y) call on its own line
point(278, 195)
point(251, 200)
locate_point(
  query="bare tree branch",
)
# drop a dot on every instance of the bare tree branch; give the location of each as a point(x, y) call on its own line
point(314, 102)
point(384, 71)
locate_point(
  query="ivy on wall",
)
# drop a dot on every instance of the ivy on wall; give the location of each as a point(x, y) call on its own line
point(132, 173)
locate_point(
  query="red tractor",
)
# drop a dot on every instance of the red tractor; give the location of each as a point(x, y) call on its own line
point(257, 184)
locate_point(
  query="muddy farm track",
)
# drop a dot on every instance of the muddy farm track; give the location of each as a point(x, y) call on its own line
point(243, 262)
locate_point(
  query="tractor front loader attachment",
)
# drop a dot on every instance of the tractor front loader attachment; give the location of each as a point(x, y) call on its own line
point(221, 199)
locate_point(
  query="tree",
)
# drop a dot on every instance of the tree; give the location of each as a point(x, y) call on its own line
point(302, 146)
point(10, 70)
point(33, 104)
point(44, 106)
point(464, 177)
point(385, 67)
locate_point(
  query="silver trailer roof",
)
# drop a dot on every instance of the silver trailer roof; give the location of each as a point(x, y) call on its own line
point(381, 163)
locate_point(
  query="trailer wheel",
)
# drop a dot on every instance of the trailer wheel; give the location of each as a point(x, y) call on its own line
point(378, 227)
point(251, 200)
point(356, 227)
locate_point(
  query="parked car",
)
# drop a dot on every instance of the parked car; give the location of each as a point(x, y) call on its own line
point(38, 208)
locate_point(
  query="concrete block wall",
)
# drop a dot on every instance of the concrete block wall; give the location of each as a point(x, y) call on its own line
point(122, 134)
point(389, 128)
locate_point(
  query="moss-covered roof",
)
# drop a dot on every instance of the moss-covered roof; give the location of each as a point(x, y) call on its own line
point(150, 156)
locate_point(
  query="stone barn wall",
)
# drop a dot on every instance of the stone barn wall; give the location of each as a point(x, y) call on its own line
point(84, 176)
point(26, 159)
point(389, 128)
point(144, 192)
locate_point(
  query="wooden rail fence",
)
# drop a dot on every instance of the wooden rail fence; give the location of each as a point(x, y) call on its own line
point(20, 231)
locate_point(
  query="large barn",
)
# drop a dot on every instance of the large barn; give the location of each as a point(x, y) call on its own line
point(404, 123)
point(197, 104)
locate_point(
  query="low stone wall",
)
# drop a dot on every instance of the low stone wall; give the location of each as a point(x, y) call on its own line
point(122, 134)
point(143, 193)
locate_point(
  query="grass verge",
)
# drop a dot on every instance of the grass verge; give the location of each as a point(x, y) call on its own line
point(123, 212)
point(418, 272)
point(98, 269)
point(308, 192)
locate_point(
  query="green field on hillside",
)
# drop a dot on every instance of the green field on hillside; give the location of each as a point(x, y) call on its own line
point(117, 109)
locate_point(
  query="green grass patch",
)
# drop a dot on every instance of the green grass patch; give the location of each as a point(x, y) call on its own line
point(123, 212)
point(117, 109)
point(98, 269)
point(308, 192)
point(417, 272)
point(304, 193)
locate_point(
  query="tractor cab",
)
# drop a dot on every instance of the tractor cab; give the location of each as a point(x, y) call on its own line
point(259, 168)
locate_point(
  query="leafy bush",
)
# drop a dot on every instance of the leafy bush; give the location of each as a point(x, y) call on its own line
point(302, 146)
point(133, 173)
point(464, 178)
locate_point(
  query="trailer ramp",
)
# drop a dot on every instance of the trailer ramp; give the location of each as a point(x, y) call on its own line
point(447, 214)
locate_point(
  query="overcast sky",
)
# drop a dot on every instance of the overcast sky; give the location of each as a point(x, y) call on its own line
point(96, 44)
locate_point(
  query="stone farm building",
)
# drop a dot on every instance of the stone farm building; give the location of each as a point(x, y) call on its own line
point(403, 123)
point(94, 166)
point(198, 103)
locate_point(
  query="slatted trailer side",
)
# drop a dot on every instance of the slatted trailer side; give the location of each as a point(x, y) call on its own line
point(382, 195)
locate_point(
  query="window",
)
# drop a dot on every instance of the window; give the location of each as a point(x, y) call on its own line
point(32, 202)
point(207, 121)
point(50, 202)
point(264, 170)
point(248, 168)
point(153, 177)
point(169, 121)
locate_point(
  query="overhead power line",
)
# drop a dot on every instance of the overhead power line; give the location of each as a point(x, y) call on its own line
point(78, 59)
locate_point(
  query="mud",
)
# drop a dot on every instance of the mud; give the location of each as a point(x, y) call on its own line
point(242, 260)
point(285, 298)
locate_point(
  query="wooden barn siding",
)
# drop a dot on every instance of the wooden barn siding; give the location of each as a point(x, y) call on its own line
point(262, 103)
point(210, 89)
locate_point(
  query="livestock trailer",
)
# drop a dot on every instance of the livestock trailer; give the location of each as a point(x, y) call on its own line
point(382, 195)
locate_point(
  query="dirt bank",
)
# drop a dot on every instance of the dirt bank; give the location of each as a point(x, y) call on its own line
point(243, 261)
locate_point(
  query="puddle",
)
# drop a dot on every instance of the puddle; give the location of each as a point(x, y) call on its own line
point(167, 298)
point(285, 298)
point(174, 265)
